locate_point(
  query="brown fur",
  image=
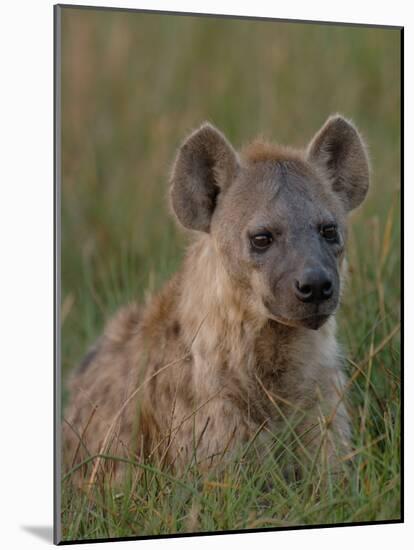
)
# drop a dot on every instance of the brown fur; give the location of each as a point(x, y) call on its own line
point(261, 151)
point(206, 364)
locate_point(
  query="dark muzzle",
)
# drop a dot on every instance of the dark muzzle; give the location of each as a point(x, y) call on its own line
point(313, 286)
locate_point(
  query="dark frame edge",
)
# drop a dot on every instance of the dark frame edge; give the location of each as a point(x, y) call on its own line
point(229, 16)
point(232, 532)
point(402, 392)
point(57, 532)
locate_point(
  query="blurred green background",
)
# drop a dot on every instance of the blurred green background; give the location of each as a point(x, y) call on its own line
point(133, 86)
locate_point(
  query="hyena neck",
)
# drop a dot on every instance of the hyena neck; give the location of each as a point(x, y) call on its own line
point(221, 325)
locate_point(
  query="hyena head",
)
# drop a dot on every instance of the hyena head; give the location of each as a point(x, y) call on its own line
point(276, 216)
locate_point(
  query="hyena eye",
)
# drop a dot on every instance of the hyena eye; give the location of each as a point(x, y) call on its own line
point(329, 232)
point(261, 241)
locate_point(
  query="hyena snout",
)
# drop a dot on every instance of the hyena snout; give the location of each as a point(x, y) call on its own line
point(314, 285)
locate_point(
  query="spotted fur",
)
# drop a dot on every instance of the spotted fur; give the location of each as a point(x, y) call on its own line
point(206, 364)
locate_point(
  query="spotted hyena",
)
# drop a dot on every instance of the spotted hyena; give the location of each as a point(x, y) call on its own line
point(242, 338)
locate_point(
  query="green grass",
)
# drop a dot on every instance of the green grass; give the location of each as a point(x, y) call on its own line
point(133, 86)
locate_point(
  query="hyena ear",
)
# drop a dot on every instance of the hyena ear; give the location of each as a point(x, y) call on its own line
point(206, 164)
point(339, 151)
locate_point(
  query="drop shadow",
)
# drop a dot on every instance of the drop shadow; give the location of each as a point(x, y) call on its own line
point(44, 532)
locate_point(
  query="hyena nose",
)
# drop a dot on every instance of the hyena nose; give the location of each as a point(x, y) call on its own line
point(313, 286)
